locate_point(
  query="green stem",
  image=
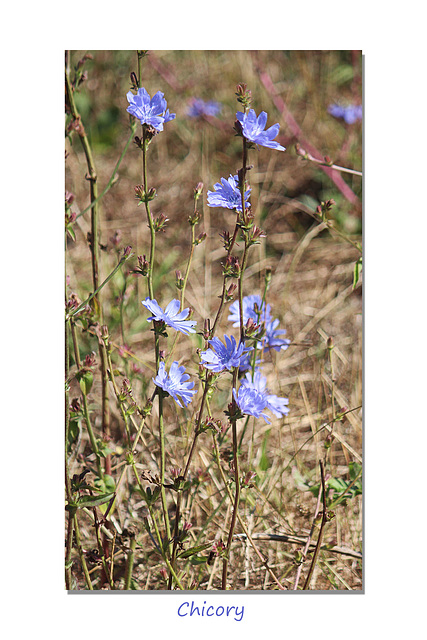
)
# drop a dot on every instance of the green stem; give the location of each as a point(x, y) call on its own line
point(81, 553)
point(112, 179)
point(149, 217)
point(235, 507)
point(129, 564)
point(92, 295)
point(162, 467)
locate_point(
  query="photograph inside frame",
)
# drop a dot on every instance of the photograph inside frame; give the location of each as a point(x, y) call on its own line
point(213, 321)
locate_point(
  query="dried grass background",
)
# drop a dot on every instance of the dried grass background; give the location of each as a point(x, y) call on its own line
point(311, 292)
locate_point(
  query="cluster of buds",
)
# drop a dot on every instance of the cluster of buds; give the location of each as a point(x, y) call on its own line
point(160, 221)
point(127, 252)
point(244, 96)
point(73, 302)
point(218, 550)
point(252, 329)
point(149, 133)
point(254, 234)
point(79, 75)
point(143, 266)
point(194, 218)
point(126, 390)
point(146, 410)
point(90, 360)
point(324, 208)
point(144, 196)
point(246, 481)
point(178, 479)
point(209, 424)
point(231, 267)
point(200, 476)
point(184, 531)
point(225, 235)
point(176, 472)
point(233, 412)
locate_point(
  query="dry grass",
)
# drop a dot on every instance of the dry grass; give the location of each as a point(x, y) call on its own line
point(311, 292)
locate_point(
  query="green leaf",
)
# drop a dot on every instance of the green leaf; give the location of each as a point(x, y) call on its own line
point(342, 74)
point(264, 462)
point(357, 267)
point(354, 468)
point(85, 379)
point(107, 485)
point(71, 233)
point(94, 501)
point(198, 560)
point(193, 550)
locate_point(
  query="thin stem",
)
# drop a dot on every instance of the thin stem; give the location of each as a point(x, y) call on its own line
point(308, 543)
point(81, 553)
point(149, 217)
point(162, 467)
point(224, 284)
point(242, 524)
point(235, 506)
point(113, 177)
point(322, 526)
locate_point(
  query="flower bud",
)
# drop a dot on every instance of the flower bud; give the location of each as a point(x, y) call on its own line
point(198, 190)
point(160, 222)
point(200, 238)
point(143, 266)
point(229, 295)
point(179, 280)
point(134, 81)
point(231, 267)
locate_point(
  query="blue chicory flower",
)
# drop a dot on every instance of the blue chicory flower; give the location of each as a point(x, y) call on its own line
point(170, 315)
point(152, 111)
point(253, 129)
point(350, 113)
point(175, 383)
point(251, 402)
point(277, 405)
point(199, 107)
point(222, 356)
point(249, 303)
point(227, 194)
point(270, 339)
